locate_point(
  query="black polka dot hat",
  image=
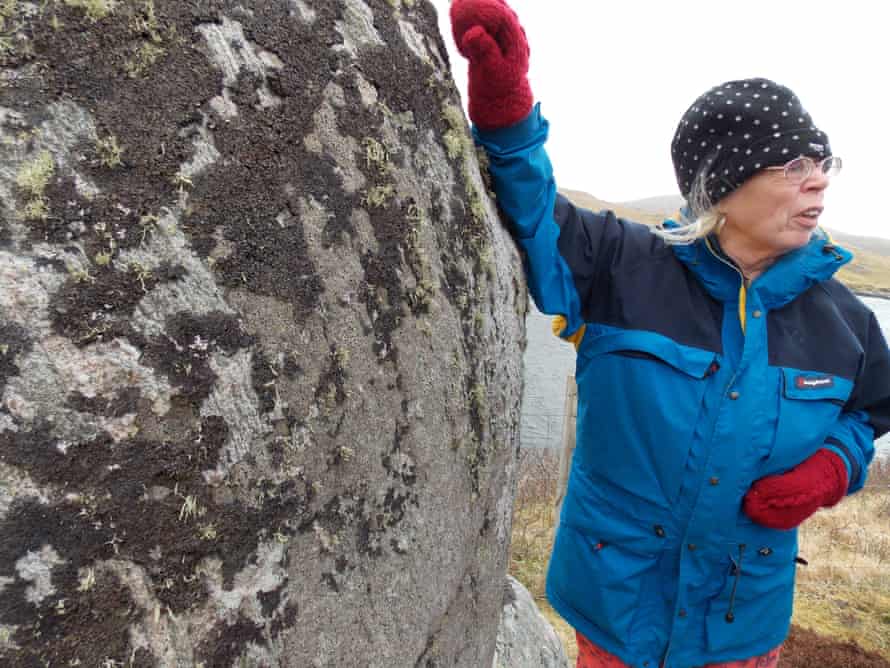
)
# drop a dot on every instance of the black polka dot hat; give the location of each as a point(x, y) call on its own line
point(738, 128)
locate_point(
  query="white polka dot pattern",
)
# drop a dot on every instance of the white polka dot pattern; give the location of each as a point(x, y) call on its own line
point(739, 128)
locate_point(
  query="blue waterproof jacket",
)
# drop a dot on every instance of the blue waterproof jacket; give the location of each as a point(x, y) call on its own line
point(690, 387)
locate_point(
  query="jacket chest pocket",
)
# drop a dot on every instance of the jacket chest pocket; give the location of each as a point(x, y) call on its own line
point(640, 396)
point(809, 406)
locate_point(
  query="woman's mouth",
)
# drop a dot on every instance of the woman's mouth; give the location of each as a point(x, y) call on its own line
point(810, 217)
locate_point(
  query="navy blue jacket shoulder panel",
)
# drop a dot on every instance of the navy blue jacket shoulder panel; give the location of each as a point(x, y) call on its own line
point(627, 277)
point(828, 329)
point(821, 330)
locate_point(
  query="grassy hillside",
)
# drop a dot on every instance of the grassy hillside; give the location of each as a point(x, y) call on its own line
point(868, 273)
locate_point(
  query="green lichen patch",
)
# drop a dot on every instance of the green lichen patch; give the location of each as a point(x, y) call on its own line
point(397, 4)
point(376, 156)
point(460, 147)
point(32, 180)
point(8, 9)
point(379, 196)
point(9, 26)
point(109, 151)
point(93, 9)
point(143, 59)
point(144, 21)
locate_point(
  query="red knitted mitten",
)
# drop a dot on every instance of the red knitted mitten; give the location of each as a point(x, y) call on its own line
point(488, 34)
point(784, 501)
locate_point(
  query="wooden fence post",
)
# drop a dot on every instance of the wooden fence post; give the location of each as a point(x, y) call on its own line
point(568, 444)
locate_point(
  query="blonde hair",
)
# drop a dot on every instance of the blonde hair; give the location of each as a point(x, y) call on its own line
point(696, 220)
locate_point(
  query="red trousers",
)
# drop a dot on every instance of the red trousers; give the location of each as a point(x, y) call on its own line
point(591, 656)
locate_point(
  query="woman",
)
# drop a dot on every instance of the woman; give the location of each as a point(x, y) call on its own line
point(728, 387)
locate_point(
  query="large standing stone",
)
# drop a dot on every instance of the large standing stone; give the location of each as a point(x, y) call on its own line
point(260, 339)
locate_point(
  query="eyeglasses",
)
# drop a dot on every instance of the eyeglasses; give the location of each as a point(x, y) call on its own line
point(799, 170)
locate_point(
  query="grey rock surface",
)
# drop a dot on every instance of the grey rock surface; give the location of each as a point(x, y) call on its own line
point(260, 340)
point(525, 638)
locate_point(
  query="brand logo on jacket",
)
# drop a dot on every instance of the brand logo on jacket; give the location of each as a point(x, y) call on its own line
point(813, 382)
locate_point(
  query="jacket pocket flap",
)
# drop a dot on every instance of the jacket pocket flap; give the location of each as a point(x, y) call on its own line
point(693, 362)
point(813, 385)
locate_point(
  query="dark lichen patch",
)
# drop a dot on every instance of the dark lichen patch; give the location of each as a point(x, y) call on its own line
point(486, 523)
point(267, 167)
point(375, 521)
point(213, 435)
point(183, 354)
point(36, 451)
point(287, 620)
point(269, 600)
point(263, 376)
point(399, 75)
point(142, 658)
point(92, 300)
point(101, 224)
point(124, 402)
point(113, 513)
point(226, 642)
point(89, 628)
point(292, 368)
point(14, 344)
point(330, 579)
point(5, 233)
point(386, 312)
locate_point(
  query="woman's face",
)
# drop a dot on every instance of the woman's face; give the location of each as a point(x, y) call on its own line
point(772, 216)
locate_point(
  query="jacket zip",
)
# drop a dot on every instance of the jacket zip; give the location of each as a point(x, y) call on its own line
point(743, 291)
point(737, 571)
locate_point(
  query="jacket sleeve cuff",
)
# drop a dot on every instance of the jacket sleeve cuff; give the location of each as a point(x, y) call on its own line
point(842, 451)
point(852, 439)
point(527, 133)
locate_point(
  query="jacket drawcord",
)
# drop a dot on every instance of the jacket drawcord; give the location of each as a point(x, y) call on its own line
point(831, 248)
point(737, 571)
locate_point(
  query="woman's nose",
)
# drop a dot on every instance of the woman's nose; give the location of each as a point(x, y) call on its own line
point(817, 180)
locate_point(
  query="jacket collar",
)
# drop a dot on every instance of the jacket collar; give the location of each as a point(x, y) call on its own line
point(791, 275)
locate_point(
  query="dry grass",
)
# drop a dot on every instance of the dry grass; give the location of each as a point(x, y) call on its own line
point(533, 522)
point(533, 531)
point(844, 592)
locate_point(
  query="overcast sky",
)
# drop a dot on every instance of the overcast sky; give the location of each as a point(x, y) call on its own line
point(614, 78)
